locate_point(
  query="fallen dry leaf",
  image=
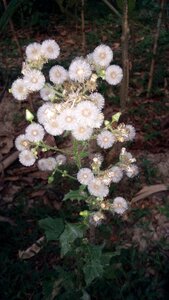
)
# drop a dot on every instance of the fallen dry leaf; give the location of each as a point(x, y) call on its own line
point(149, 190)
point(32, 250)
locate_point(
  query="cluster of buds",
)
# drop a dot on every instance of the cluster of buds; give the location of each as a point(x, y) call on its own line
point(72, 104)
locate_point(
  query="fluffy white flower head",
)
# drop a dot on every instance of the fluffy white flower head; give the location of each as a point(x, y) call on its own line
point(21, 143)
point(67, 119)
point(34, 80)
point(47, 93)
point(46, 112)
point(33, 51)
point(50, 163)
point(115, 174)
point(114, 74)
point(119, 205)
point(34, 132)
point(86, 113)
point(98, 100)
point(102, 55)
point(132, 171)
point(82, 133)
point(19, 90)
point(58, 74)
point(85, 175)
point(79, 70)
point(50, 49)
point(60, 159)
point(42, 164)
point(53, 127)
point(97, 188)
point(105, 139)
point(131, 134)
point(26, 158)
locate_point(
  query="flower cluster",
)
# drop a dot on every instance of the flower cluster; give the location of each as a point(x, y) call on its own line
point(72, 104)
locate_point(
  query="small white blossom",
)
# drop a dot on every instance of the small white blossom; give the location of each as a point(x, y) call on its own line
point(96, 218)
point(67, 119)
point(105, 139)
point(34, 132)
point(50, 49)
point(60, 159)
point(19, 90)
point(115, 174)
point(21, 143)
point(114, 74)
point(132, 171)
point(131, 134)
point(79, 70)
point(102, 55)
point(97, 188)
point(87, 113)
point(42, 164)
point(34, 80)
point(46, 112)
point(98, 100)
point(82, 133)
point(51, 163)
point(119, 205)
point(47, 93)
point(58, 75)
point(33, 51)
point(26, 158)
point(84, 176)
point(53, 127)
point(99, 120)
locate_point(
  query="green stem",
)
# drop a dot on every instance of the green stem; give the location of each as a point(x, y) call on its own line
point(76, 153)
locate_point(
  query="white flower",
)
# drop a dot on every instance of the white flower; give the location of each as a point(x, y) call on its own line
point(33, 51)
point(79, 70)
point(96, 218)
point(34, 132)
point(119, 205)
point(132, 171)
point(84, 176)
point(114, 74)
point(67, 119)
point(89, 59)
point(82, 133)
point(50, 163)
point(98, 100)
point(46, 112)
point(21, 143)
point(26, 158)
point(58, 74)
point(34, 80)
point(60, 159)
point(50, 49)
point(53, 127)
point(99, 120)
point(97, 188)
point(19, 90)
point(47, 93)
point(86, 113)
point(102, 55)
point(115, 174)
point(131, 133)
point(42, 164)
point(105, 139)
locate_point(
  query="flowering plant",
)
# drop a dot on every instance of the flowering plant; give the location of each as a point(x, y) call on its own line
point(72, 107)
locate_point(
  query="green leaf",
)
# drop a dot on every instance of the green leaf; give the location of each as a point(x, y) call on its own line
point(70, 234)
point(53, 227)
point(79, 194)
point(93, 267)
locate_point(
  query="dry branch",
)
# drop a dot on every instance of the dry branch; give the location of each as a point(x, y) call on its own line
point(8, 161)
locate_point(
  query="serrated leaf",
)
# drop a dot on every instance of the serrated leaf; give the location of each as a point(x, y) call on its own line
point(79, 194)
point(53, 227)
point(93, 267)
point(70, 234)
